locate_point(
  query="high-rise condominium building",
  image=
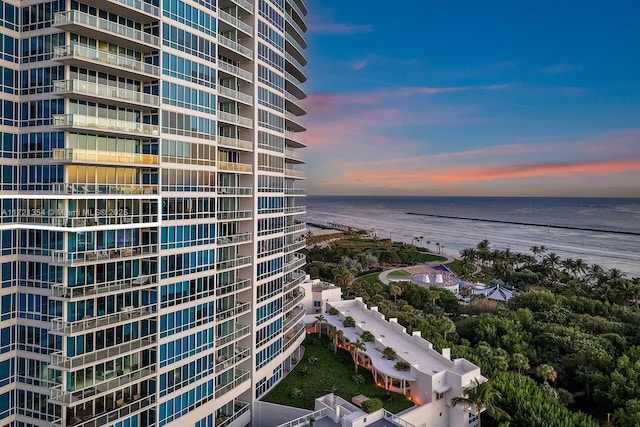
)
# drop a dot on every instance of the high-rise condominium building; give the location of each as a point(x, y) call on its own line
point(149, 154)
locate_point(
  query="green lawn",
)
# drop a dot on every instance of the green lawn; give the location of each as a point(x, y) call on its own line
point(398, 273)
point(333, 372)
point(429, 257)
point(372, 278)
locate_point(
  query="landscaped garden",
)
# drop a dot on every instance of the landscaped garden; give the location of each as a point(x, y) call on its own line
point(322, 371)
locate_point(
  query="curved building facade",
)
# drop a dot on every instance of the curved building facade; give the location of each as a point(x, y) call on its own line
point(150, 189)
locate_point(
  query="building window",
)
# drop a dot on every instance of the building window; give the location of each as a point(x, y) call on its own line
point(439, 396)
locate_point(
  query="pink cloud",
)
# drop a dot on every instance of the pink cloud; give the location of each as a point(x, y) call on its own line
point(359, 65)
point(561, 68)
point(336, 28)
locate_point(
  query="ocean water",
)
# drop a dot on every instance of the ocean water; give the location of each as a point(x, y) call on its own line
point(615, 246)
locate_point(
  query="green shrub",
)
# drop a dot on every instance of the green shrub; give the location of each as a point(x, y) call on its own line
point(348, 322)
point(371, 405)
point(402, 366)
point(367, 336)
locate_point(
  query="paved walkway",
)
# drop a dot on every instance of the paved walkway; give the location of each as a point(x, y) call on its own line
point(384, 279)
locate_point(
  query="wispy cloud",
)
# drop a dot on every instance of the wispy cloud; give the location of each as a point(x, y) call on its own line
point(359, 65)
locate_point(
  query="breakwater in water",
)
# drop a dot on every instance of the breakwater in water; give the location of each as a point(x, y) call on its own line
point(532, 224)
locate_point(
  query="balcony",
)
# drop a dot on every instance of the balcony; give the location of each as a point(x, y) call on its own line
point(234, 263)
point(235, 167)
point(295, 209)
point(290, 302)
point(92, 91)
point(74, 222)
point(296, 246)
point(78, 155)
point(295, 191)
point(235, 46)
point(72, 398)
point(81, 257)
point(297, 8)
point(295, 104)
point(235, 71)
point(235, 214)
point(89, 291)
point(297, 69)
point(299, 32)
point(297, 278)
point(231, 288)
point(234, 191)
point(291, 336)
point(298, 262)
point(61, 362)
point(239, 309)
point(235, 119)
point(89, 323)
point(294, 122)
point(241, 353)
point(293, 317)
point(235, 95)
point(135, 9)
point(296, 174)
point(234, 240)
point(241, 331)
point(104, 125)
point(240, 377)
point(105, 30)
point(90, 188)
point(111, 416)
point(244, 4)
point(234, 22)
point(235, 143)
point(299, 50)
point(295, 228)
point(118, 64)
point(239, 409)
point(294, 139)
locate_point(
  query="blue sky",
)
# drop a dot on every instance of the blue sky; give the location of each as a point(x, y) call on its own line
point(475, 97)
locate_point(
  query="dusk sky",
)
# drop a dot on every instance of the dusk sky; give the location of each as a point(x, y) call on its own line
point(469, 97)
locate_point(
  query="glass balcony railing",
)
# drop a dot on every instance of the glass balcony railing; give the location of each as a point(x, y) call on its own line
point(291, 336)
point(73, 18)
point(289, 19)
point(297, 278)
point(292, 317)
point(79, 257)
point(93, 188)
point(234, 263)
point(234, 239)
point(235, 46)
point(97, 156)
point(242, 353)
point(239, 409)
point(244, 4)
point(58, 360)
point(234, 167)
point(295, 209)
point(112, 416)
point(289, 38)
point(233, 287)
point(138, 5)
point(298, 262)
point(88, 323)
point(236, 71)
point(296, 246)
point(235, 214)
point(234, 94)
point(240, 308)
point(240, 377)
point(295, 228)
point(114, 94)
point(234, 191)
point(240, 332)
point(232, 20)
point(235, 119)
point(296, 63)
point(105, 124)
point(295, 119)
point(81, 291)
point(292, 173)
point(104, 58)
point(291, 301)
point(235, 143)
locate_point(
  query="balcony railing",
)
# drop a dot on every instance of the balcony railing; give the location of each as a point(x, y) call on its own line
point(296, 246)
point(295, 80)
point(235, 143)
point(235, 214)
point(294, 43)
point(295, 228)
point(93, 221)
point(244, 4)
point(240, 308)
point(113, 94)
point(241, 376)
point(138, 5)
point(233, 287)
point(128, 34)
point(71, 398)
point(97, 156)
point(105, 124)
point(110, 417)
point(240, 332)
point(234, 263)
point(240, 408)
point(126, 63)
point(242, 353)
point(234, 191)
point(290, 302)
point(78, 257)
point(291, 336)
point(93, 188)
point(293, 173)
point(289, 19)
point(234, 239)
point(294, 99)
point(296, 64)
point(234, 94)
point(235, 119)
point(235, 167)
point(295, 191)
point(292, 317)
point(232, 20)
point(60, 361)
point(71, 292)
point(295, 7)
point(295, 209)
point(236, 71)
point(298, 262)
point(235, 46)
point(126, 315)
point(296, 119)
point(298, 278)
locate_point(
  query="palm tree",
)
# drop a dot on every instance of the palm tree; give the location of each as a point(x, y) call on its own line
point(320, 319)
point(520, 362)
point(335, 335)
point(355, 348)
point(546, 373)
point(481, 397)
point(394, 291)
point(438, 246)
point(428, 243)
